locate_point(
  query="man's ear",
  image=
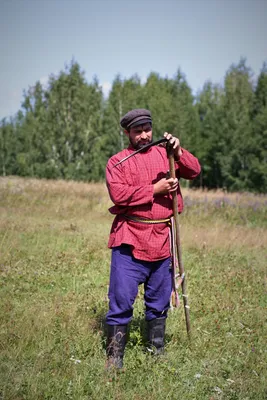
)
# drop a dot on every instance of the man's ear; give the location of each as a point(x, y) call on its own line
point(126, 132)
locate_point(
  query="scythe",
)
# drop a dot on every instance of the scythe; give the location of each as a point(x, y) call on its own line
point(176, 233)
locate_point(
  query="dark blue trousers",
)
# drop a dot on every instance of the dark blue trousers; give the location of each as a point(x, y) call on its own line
point(126, 274)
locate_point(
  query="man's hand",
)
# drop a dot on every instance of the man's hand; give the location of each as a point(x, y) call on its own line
point(165, 186)
point(175, 142)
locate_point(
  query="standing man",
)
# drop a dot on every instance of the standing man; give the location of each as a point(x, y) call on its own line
point(139, 236)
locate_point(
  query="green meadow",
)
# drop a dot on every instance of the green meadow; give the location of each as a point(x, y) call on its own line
point(54, 273)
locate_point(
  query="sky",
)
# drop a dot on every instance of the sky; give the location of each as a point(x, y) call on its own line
point(126, 37)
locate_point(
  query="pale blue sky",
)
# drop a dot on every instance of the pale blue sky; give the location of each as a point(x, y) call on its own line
point(106, 37)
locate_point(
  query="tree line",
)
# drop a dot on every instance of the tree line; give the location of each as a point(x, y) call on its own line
point(68, 129)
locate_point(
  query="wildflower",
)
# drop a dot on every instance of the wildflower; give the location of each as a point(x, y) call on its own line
point(74, 360)
point(217, 389)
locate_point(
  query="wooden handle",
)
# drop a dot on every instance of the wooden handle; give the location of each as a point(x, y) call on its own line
point(177, 237)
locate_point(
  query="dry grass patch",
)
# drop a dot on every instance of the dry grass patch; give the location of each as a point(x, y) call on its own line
point(221, 235)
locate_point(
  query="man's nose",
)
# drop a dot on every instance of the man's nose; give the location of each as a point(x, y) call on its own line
point(143, 135)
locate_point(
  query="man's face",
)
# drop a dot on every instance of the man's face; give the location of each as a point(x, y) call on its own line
point(140, 135)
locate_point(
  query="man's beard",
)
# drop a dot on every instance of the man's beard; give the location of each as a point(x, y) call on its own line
point(139, 145)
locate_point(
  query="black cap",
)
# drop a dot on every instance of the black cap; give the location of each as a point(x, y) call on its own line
point(139, 116)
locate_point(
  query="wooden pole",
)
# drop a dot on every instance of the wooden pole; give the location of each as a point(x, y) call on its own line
point(177, 238)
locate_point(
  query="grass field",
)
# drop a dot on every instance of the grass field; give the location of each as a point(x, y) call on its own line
point(54, 271)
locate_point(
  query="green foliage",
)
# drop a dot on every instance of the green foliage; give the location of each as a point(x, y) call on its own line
point(209, 140)
point(232, 136)
point(68, 130)
point(237, 127)
point(258, 170)
point(7, 148)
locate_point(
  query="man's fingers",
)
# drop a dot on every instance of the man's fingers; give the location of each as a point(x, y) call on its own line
point(172, 180)
point(174, 187)
point(175, 142)
point(167, 135)
point(166, 185)
point(172, 184)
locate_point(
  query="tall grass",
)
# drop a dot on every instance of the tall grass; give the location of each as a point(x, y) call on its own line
point(54, 269)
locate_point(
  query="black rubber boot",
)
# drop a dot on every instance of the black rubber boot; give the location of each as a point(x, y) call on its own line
point(156, 335)
point(116, 341)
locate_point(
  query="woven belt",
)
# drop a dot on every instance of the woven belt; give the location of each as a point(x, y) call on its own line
point(147, 221)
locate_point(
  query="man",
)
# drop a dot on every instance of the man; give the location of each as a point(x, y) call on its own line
point(139, 236)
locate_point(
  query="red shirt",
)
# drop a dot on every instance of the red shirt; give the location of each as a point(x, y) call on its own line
point(130, 186)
